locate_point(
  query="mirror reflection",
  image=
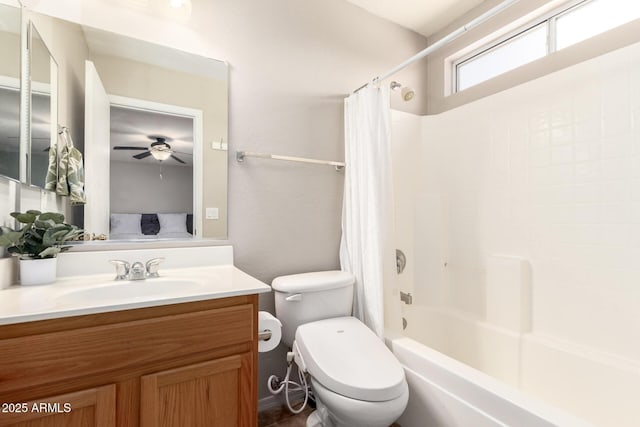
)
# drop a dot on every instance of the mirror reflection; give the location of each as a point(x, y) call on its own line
point(10, 92)
point(167, 114)
point(151, 123)
point(43, 75)
point(152, 150)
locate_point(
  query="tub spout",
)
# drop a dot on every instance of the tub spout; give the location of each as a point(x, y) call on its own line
point(406, 297)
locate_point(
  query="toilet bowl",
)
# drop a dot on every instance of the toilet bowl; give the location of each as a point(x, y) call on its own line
point(351, 412)
point(356, 380)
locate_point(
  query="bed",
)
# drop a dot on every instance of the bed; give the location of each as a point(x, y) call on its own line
point(149, 226)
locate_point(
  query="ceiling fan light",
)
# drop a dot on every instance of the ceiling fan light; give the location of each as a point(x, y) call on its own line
point(160, 154)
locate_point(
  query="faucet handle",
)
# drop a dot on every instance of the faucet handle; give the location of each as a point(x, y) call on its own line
point(152, 267)
point(122, 269)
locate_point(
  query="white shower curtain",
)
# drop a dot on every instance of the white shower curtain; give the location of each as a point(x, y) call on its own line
point(366, 248)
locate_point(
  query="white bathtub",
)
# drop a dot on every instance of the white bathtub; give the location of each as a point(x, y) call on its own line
point(445, 392)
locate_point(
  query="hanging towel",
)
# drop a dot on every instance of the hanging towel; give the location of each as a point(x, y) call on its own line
point(51, 180)
point(66, 175)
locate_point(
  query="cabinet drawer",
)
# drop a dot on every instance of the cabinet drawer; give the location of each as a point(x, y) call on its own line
point(52, 357)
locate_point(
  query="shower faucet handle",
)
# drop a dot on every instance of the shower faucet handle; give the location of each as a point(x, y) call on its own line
point(401, 261)
point(406, 297)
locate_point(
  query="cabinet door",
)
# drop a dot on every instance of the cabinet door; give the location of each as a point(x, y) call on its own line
point(86, 408)
point(215, 393)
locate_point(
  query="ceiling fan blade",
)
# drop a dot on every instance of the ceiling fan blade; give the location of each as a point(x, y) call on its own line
point(142, 155)
point(122, 147)
point(47, 149)
point(177, 159)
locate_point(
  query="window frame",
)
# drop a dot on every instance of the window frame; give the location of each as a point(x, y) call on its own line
point(549, 19)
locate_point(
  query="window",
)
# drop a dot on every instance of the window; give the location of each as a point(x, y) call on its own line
point(592, 18)
point(564, 27)
point(518, 50)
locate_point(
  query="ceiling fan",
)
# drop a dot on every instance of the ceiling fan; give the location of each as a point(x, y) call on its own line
point(159, 149)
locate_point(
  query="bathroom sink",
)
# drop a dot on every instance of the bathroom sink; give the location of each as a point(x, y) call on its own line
point(131, 290)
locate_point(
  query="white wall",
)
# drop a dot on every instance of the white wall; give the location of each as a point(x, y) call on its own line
point(548, 171)
point(138, 188)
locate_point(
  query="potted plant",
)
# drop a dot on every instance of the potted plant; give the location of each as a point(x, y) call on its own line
point(38, 243)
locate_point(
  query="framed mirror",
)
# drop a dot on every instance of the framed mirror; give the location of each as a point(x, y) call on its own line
point(163, 152)
point(10, 44)
point(150, 122)
point(43, 85)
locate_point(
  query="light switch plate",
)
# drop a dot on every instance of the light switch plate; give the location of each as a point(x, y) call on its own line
point(212, 213)
point(219, 145)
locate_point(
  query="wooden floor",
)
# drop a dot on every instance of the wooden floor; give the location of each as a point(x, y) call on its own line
point(281, 417)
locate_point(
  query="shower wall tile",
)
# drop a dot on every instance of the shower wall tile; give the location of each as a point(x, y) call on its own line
point(548, 171)
point(406, 129)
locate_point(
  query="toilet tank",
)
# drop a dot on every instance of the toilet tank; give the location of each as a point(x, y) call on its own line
point(304, 298)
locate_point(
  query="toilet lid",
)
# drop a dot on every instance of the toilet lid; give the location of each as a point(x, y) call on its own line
point(349, 359)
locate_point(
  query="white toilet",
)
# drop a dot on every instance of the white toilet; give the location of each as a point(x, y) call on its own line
point(356, 380)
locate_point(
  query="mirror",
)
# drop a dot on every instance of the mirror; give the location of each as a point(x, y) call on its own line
point(10, 24)
point(168, 107)
point(43, 73)
point(166, 156)
point(154, 149)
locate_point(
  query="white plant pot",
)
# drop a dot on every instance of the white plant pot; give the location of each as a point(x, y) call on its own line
point(38, 271)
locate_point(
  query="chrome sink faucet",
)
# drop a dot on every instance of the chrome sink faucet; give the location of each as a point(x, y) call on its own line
point(137, 270)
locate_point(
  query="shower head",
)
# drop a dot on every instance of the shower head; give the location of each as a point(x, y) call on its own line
point(407, 93)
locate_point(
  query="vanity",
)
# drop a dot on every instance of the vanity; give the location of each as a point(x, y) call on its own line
point(177, 350)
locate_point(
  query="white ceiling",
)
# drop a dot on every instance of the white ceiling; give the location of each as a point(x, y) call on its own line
point(133, 128)
point(425, 17)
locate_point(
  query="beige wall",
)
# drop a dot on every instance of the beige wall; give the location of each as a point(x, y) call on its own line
point(10, 48)
point(69, 49)
point(438, 71)
point(152, 83)
point(138, 188)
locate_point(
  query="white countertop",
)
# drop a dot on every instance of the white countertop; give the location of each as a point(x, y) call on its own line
point(90, 294)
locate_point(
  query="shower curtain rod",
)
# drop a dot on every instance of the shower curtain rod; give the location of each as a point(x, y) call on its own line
point(443, 41)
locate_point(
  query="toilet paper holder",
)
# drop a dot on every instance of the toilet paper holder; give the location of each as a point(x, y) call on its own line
point(264, 335)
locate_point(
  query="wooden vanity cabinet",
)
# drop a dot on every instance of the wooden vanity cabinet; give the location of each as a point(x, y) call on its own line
point(182, 365)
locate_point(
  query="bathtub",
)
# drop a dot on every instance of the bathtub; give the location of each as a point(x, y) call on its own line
point(444, 392)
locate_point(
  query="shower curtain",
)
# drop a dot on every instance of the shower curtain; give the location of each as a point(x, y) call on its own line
point(366, 247)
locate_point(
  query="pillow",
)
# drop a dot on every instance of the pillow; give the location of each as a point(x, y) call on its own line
point(172, 223)
point(190, 223)
point(125, 224)
point(150, 224)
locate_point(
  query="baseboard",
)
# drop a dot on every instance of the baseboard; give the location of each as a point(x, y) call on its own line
point(275, 401)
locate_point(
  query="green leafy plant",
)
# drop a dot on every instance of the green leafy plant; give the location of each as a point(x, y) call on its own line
point(41, 236)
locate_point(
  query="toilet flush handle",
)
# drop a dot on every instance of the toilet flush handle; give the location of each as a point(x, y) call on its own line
point(294, 297)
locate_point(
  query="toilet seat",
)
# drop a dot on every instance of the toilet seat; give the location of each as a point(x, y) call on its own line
point(346, 357)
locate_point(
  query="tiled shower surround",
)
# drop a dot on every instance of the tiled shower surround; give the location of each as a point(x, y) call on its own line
point(546, 174)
